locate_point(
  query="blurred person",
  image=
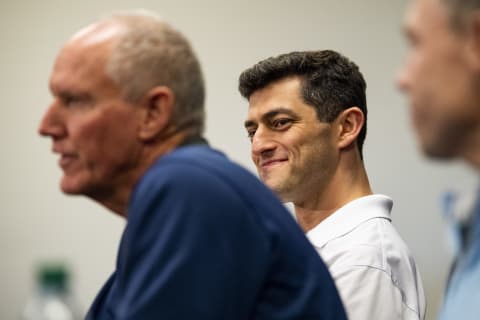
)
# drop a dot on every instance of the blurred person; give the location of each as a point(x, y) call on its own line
point(441, 78)
point(204, 238)
point(307, 124)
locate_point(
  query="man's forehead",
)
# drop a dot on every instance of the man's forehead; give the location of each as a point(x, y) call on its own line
point(97, 33)
point(432, 21)
point(78, 56)
point(91, 44)
point(412, 12)
point(276, 92)
point(80, 59)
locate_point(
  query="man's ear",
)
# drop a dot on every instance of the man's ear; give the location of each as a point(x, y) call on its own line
point(473, 47)
point(158, 112)
point(350, 122)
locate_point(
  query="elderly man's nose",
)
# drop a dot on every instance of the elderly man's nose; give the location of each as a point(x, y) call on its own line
point(51, 123)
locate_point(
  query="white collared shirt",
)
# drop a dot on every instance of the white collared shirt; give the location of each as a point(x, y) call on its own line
point(372, 267)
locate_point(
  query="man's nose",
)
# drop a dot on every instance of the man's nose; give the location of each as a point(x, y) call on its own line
point(262, 142)
point(51, 124)
point(402, 79)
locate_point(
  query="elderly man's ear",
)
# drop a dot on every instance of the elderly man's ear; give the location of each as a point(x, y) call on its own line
point(157, 113)
point(349, 123)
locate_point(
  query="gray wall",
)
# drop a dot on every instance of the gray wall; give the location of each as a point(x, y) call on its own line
point(39, 223)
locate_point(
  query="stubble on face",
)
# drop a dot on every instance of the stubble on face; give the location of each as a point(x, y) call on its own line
point(294, 160)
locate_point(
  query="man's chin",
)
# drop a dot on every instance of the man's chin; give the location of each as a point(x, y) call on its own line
point(70, 187)
point(280, 192)
point(438, 152)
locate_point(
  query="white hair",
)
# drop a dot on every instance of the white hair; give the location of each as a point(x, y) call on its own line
point(150, 53)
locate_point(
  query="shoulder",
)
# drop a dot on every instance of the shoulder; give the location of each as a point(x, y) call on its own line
point(198, 167)
point(375, 253)
point(374, 243)
point(200, 179)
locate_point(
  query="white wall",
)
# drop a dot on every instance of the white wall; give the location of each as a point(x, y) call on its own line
point(38, 222)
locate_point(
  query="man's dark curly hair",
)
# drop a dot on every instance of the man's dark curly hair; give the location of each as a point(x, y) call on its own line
point(331, 82)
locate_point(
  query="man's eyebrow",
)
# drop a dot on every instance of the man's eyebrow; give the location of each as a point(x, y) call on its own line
point(407, 31)
point(279, 110)
point(249, 123)
point(68, 94)
point(270, 114)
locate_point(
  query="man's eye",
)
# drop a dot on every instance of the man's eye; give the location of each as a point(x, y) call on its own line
point(251, 133)
point(412, 39)
point(68, 101)
point(73, 101)
point(281, 123)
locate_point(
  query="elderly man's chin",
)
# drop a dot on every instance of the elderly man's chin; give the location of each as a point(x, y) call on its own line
point(72, 186)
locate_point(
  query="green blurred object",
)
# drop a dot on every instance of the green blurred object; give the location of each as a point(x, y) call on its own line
point(52, 299)
point(53, 277)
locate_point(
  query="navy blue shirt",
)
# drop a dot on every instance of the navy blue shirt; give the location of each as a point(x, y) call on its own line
point(205, 239)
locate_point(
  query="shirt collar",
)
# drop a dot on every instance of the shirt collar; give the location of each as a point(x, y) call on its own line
point(349, 217)
point(194, 139)
point(461, 210)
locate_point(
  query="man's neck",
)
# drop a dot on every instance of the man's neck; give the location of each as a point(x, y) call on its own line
point(342, 190)
point(117, 199)
point(472, 150)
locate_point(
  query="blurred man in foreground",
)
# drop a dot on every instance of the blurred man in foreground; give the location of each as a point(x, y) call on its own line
point(441, 78)
point(204, 239)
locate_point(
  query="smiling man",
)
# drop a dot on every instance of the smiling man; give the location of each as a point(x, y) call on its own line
point(307, 124)
point(441, 78)
point(204, 239)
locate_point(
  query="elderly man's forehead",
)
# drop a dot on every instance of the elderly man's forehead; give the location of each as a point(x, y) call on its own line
point(98, 33)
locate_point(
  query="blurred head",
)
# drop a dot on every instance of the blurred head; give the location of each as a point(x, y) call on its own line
point(441, 76)
point(297, 103)
point(458, 11)
point(121, 87)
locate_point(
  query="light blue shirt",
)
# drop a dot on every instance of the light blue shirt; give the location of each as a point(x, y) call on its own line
point(462, 299)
